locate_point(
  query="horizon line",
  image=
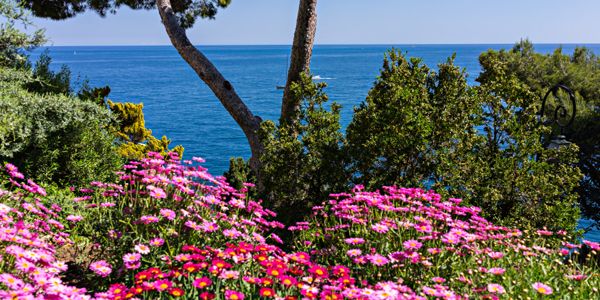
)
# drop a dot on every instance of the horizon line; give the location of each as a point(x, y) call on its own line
point(320, 44)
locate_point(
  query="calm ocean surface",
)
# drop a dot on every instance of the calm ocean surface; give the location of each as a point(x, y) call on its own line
point(179, 105)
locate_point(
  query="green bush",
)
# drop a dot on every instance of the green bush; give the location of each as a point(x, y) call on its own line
point(482, 144)
point(303, 162)
point(53, 138)
point(579, 71)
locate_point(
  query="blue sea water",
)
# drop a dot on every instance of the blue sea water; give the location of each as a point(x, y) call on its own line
point(178, 104)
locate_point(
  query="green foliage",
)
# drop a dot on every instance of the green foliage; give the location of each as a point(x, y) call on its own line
point(53, 137)
point(13, 42)
point(412, 124)
point(579, 71)
point(135, 140)
point(420, 128)
point(187, 11)
point(48, 81)
point(303, 162)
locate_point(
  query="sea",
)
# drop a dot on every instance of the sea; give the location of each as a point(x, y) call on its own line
point(179, 105)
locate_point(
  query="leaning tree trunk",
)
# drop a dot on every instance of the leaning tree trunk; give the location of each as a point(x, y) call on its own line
point(300, 59)
point(213, 78)
point(304, 38)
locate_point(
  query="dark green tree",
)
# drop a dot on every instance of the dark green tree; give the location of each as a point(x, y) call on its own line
point(581, 72)
point(483, 144)
point(14, 42)
point(303, 162)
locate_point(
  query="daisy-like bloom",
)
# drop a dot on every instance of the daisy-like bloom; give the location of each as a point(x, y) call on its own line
point(542, 288)
point(74, 218)
point(266, 292)
point(176, 292)
point(318, 271)
point(202, 282)
point(354, 241)
point(231, 233)
point(157, 242)
point(233, 295)
point(495, 288)
point(209, 226)
point(496, 255)
point(228, 274)
point(380, 228)
point(168, 214)
point(354, 252)
point(142, 249)
point(287, 280)
point(149, 219)
point(438, 279)
point(162, 285)
point(131, 257)
point(496, 271)
point(24, 265)
point(158, 193)
point(412, 245)
point(378, 259)
point(101, 268)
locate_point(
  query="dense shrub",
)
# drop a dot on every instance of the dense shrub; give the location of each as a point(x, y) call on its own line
point(53, 137)
point(303, 162)
point(483, 144)
point(581, 72)
point(13, 42)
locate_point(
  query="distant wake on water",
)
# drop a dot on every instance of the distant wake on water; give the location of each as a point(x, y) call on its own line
point(318, 77)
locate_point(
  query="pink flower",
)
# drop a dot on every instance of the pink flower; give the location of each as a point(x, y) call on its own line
point(354, 241)
point(412, 245)
point(157, 193)
point(496, 255)
point(202, 282)
point(131, 257)
point(378, 259)
point(496, 271)
point(438, 279)
point(168, 214)
point(74, 219)
point(354, 252)
point(495, 288)
point(542, 288)
point(233, 295)
point(142, 249)
point(149, 219)
point(162, 285)
point(380, 228)
point(101, 268)
point(157, 242)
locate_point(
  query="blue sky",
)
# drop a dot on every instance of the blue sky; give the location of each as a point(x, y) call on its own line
point(248, 22)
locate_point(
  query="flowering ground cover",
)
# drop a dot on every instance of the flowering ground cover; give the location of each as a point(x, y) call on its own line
point(171, 230)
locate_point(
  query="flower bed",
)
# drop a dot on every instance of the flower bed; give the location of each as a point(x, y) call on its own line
point(171, 230)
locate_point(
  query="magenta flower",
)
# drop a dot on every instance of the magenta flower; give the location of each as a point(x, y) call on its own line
point(168, 214)
point(378, 259)
point(496, 271)
point(412, 245)
point(162, 285)
point(157, 242)
point(354, 241)
point(354, 252)
point(233, 295)
point(157, 193)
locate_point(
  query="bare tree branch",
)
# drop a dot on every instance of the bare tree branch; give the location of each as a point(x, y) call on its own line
point(213, 78)
point(304, 37)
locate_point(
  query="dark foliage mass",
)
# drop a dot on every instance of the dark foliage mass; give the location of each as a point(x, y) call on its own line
point(186, 10)
point(581, 72)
